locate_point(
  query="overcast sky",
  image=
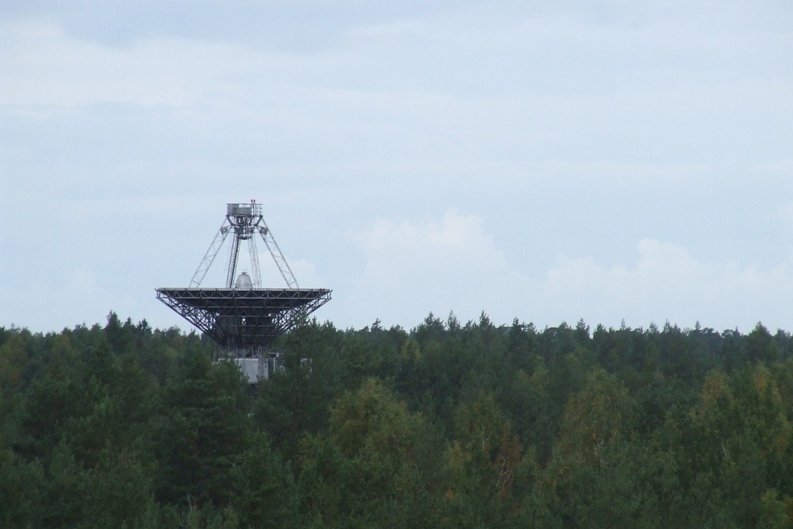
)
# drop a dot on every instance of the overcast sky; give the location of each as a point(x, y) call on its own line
point(547, 161)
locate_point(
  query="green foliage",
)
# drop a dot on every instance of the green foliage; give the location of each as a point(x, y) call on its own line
point(385, 456)
point(22, 488)
point(205, 430)
point(266, 491)
point(450, 425)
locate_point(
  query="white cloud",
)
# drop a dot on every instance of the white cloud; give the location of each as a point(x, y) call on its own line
point(784, 212)
point(413, 268)
point(455, 236)
point(667, 283)
point(454, 264)
point(568, 128)
point(424, 253)
point(45, 67)
point(62, 300)
point(304, 271)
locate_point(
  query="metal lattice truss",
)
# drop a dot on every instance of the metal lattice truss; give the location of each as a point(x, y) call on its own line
point(243, 318)
point(244, 221)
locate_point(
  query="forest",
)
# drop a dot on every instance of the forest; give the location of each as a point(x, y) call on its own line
point(448, 424)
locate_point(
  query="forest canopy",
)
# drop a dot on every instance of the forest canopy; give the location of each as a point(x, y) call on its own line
point(444, 425)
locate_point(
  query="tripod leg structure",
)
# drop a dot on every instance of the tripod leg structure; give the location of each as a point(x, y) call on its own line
point(210, 255)
point(278, 257)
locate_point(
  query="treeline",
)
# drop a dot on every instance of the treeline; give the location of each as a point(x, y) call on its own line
point(446, 425)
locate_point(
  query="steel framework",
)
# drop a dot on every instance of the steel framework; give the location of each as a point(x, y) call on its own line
point(243, 319)
point(244, 220)
point(240, 319)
